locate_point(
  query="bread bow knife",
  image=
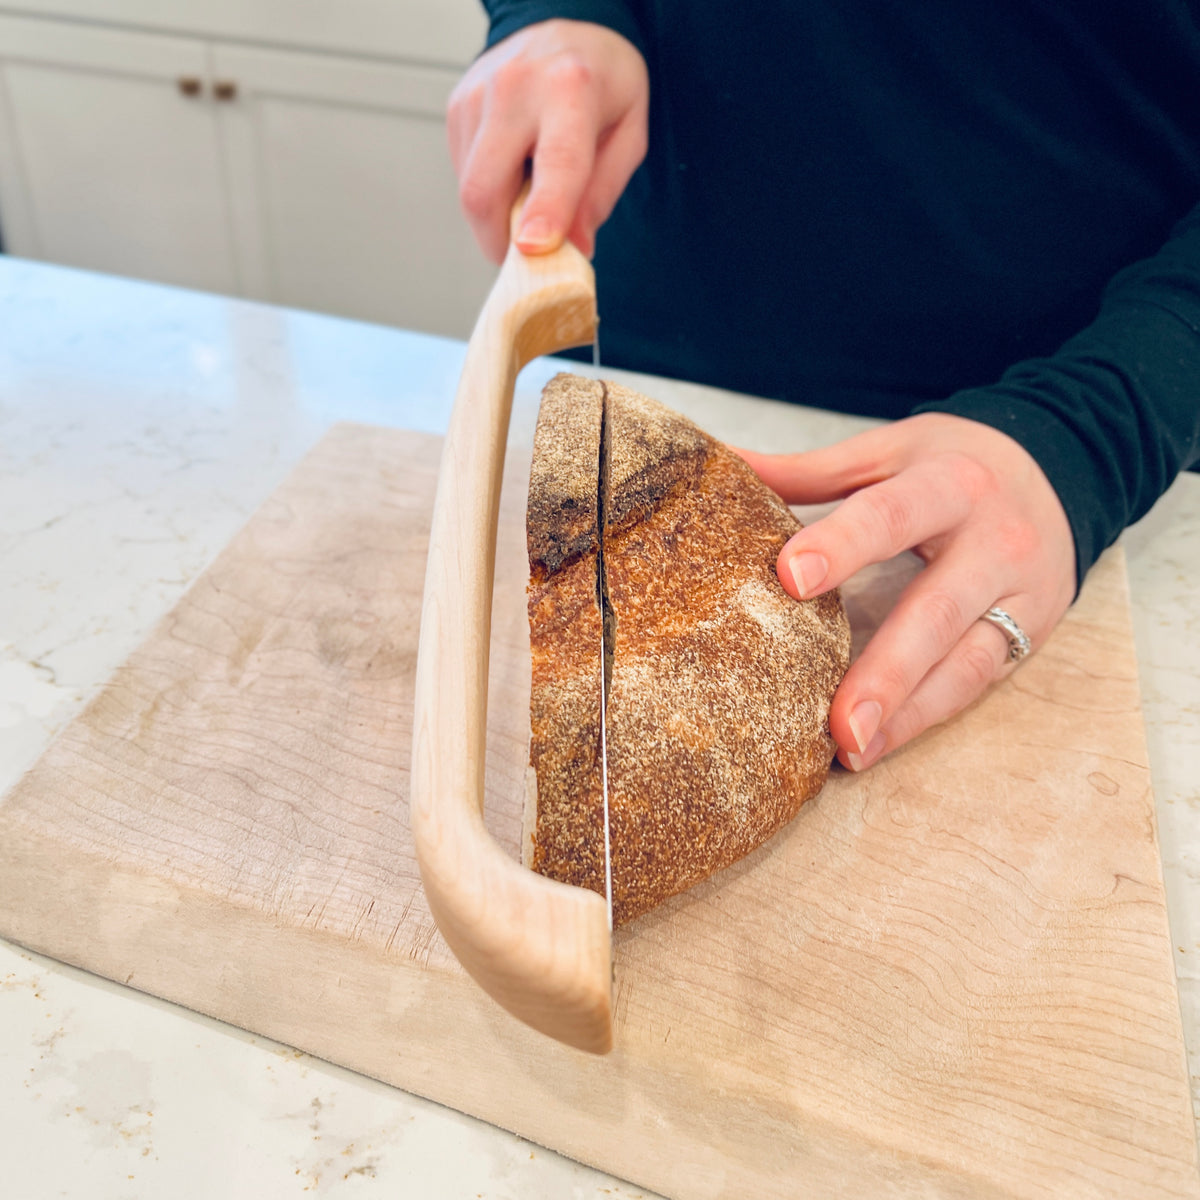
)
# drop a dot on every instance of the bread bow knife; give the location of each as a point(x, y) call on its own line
point(542, 949)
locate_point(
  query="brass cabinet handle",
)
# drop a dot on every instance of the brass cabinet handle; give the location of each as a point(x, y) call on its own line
point(225, 90)
point(189, 85)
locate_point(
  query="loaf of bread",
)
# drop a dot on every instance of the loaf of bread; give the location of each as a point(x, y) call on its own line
point(719, 683)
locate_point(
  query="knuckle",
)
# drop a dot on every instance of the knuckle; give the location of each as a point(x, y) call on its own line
point(977, 668)
point(569, 73)
point(891, 685)
point(942, 616)
point(911, 720)
point(562, 157)
point(511, 80)
point(969, 476)
point(462, 112)
point(476, 198)
point(890, 515)
point(1019, 540)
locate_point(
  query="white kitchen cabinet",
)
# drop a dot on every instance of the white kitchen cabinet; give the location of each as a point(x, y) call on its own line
point(342, 193)
point(315, 180)
point(105, 163)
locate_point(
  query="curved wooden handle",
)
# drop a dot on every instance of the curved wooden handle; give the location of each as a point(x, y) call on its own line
point(541, 948)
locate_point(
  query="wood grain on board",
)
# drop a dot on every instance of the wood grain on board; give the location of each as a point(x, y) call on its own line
point(950, 976)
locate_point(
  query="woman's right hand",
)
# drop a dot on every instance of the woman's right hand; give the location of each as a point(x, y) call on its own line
point(570, 95)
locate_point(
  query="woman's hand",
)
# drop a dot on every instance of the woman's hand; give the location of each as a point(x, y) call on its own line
point(977, 508)
point(572, 96)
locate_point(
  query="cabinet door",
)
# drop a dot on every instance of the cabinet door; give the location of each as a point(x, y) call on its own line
point(450, 32)
point(110, 154)
point(343, 196)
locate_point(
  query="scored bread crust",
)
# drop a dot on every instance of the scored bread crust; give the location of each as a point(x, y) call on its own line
point(718, 704)
point(566, 633)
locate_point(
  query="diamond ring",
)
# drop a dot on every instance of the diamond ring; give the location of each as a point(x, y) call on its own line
point(1018, 640)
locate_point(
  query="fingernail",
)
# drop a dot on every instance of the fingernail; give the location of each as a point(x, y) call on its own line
point(859, 762)
point(809, 571)
point(534, 232)
point(864, 721)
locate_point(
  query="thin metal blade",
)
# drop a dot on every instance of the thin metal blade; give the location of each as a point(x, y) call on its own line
point(604, 785)
point(608, 628)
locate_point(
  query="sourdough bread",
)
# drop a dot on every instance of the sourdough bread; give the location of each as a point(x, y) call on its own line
point(720, 684)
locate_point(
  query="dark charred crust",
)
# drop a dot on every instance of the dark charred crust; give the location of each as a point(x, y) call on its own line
point(553, 548)
point(654, 454)
point(562, 523)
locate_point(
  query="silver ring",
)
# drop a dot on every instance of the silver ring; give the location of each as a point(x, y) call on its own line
point(1019, 644)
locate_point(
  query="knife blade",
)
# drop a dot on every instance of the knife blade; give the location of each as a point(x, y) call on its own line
point(607, 636)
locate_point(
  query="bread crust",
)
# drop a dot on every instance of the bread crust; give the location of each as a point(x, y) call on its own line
point(566, 635)
point(718, 704)
point(564, 748)
point(652, 453)
point(561, 513)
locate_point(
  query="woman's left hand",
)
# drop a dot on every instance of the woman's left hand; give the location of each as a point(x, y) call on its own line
point(977, 508)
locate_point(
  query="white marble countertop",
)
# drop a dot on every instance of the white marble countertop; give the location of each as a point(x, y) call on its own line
point(140, 426)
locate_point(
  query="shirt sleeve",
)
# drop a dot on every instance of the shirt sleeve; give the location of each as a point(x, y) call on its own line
point(1114, 415)
point(507, 16)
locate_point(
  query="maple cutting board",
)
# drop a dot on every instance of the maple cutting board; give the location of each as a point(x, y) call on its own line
point(950, 976)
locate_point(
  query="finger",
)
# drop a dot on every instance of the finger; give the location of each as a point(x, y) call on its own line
point(463, 115)
point(815, 476)
point(619, 155)
point(492, 179)
point(562, 161)
point(873, 525)
point(929, 621)
point(968, 670)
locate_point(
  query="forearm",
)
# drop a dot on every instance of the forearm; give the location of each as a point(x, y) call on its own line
point(1114, 415)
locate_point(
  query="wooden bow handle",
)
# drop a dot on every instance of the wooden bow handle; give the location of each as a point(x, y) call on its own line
point(540, 948)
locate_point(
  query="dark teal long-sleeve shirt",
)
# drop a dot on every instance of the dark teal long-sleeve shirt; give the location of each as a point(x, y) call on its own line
point(989, 210)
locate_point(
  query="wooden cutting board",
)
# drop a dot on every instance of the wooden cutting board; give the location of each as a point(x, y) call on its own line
point(951, 976)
